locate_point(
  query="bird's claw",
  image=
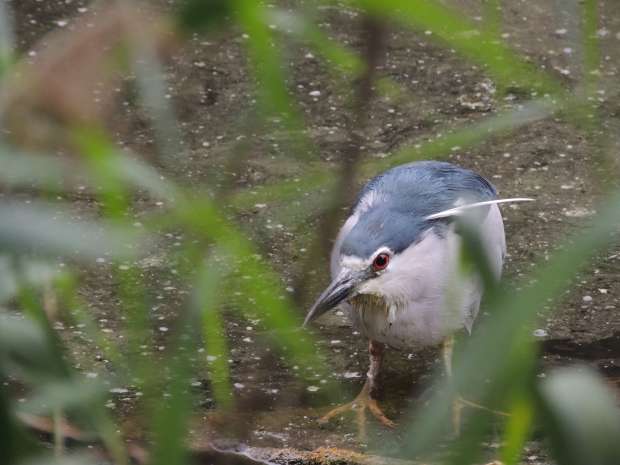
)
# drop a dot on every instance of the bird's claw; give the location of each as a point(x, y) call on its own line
point(459, 404)
point(360, 405)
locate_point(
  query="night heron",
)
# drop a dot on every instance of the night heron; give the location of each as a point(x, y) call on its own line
point(395, 263)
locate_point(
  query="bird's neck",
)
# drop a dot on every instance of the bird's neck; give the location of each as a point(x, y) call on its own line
point(372, 302)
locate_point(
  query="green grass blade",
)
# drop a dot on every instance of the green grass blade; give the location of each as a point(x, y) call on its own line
point(28, 170)
point(78, 395)
point(262, 284)
point(468, 136)
point(207, 301)
point(582, 417)
point(7, 39)
point(478, 44)
point(300, 26)
point(50, 231)
point(508, 331)
point(518, 429)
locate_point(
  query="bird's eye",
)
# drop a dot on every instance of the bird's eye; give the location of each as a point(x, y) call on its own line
point(380, 262)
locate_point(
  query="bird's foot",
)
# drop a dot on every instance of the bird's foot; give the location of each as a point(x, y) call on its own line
point(457, 406)
point(362, 403)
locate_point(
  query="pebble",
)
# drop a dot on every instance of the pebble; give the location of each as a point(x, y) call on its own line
point(540, 333)
point(312, 388)
point(587, 298)
point(579, 212)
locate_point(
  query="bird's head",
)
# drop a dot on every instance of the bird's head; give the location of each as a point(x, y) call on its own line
point(372, 254)
point(357, 276)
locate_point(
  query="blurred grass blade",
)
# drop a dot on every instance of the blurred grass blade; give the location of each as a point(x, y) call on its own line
point(492, 15)
point(65, 287)
point(477, 43)
point(265, 57)
point(68, 395)
point(259, 281)
point(318, 178)
point(207, 299)
point(518, 428)
point(20, 169)
point(151, 81)
point(273, 93)
point(204, 15)
point(30, 170)
point(315, 178)
point(8, 279)
point(300, 26)
point(143, 176)
point(508, 331)
point(14, 443)
point(119, 167)
point(47, 230)
point(591, 46)
point(24, 272)
point(43, 459)
point(7, 40)
point(468, 135)
point(582, 417)
point(25, 351)
point(171, 409)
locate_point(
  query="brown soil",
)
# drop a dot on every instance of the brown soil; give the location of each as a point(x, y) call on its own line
point(551, 160)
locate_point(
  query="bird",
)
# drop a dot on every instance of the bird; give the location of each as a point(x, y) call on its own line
point(395, 265)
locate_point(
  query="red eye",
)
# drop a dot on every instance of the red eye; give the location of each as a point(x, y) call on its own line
point(380, 262)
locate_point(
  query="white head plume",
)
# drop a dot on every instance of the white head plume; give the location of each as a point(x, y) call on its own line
point(456, 211)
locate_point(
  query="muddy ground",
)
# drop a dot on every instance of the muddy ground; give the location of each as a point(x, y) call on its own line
point(551, 161)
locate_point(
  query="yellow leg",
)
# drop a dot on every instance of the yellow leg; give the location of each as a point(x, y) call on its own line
point(459, 403)
point(365, 400)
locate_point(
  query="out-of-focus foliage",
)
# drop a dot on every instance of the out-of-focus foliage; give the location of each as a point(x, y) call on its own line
point(41, 243)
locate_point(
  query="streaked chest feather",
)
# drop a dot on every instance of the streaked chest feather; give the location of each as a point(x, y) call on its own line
point(374, 311)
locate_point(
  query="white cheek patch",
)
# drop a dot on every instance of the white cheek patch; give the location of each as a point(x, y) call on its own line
point(353, 263)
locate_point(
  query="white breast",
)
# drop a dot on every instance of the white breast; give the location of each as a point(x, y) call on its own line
point(427, 295)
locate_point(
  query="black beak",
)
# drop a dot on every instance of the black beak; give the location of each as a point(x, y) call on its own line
point(341, 288)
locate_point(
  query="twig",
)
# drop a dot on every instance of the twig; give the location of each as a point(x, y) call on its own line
point(373, 31)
